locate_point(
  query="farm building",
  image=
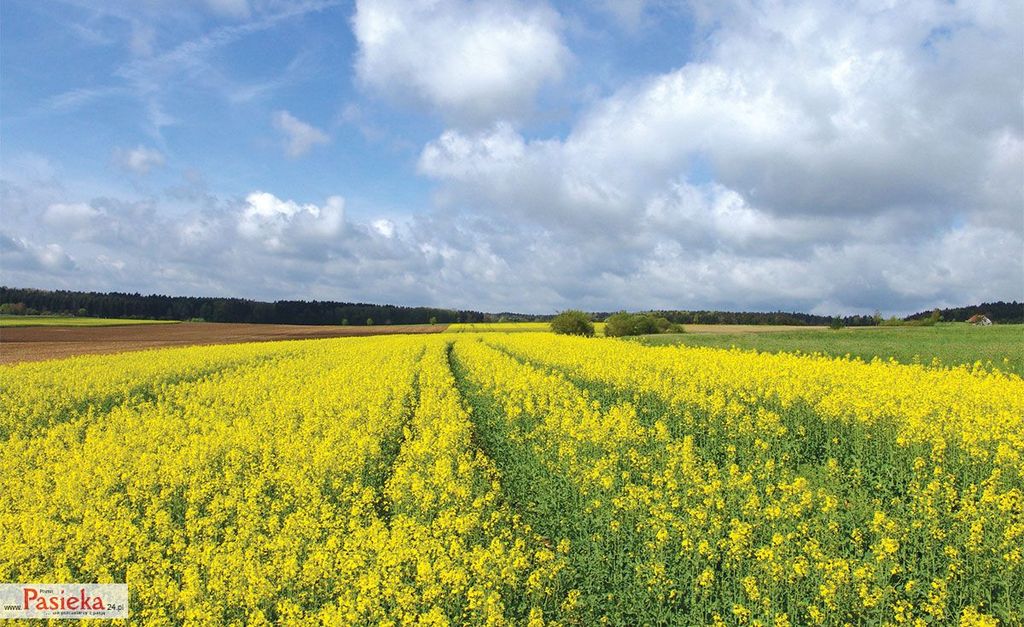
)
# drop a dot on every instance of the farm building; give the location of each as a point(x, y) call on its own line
point(980, 319)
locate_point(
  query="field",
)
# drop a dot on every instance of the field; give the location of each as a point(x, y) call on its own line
point(52, 342)
point(950, 343)
point(521, 327)
point(498, 327)
point(67, 321)
point(509, 327)
point(59, 340)
point(516, 478)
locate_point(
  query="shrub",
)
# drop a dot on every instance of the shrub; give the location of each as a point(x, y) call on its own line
point(572, 322)
point(618, 325)
point(622, 324)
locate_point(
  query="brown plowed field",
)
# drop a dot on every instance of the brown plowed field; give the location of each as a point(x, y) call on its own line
point(38, 343)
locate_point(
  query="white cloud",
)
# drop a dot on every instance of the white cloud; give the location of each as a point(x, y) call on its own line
point(384, 227)
point(138, 160)
point(299, 137)
point(70, 216)
point(286, 226)
point(812, 155)
point(22, 254)
point(812, 112)
point(695, 246)
point(472, 61)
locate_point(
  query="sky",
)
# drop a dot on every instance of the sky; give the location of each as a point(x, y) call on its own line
point(529, 156)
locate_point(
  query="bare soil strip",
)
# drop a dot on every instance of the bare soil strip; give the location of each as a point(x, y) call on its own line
point(38, 343)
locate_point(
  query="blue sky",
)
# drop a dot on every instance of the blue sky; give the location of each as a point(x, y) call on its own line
point(510, 155)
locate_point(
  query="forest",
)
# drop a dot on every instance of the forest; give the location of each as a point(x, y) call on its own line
point(27, 301)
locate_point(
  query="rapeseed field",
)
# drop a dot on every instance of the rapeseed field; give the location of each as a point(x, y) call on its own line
point(517, 478)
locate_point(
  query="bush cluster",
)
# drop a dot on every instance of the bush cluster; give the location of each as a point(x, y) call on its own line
point(622, 324)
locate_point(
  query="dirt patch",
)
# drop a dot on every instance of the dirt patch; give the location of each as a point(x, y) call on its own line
point(39, 343)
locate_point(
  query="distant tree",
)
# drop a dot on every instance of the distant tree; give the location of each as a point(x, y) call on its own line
point(369, 322)
point(433, 320)
point(82, 312)
point(837, 323)
point(344, 322)
point(877, 317)
point(572, 322)
point(13, 309)
point(998, 312)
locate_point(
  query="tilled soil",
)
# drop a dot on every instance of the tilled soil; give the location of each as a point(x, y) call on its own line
point(38, 343)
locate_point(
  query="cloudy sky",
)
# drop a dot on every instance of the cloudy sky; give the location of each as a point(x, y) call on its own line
point(518, 155)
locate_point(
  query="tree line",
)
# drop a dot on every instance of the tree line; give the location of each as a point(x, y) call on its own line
point(160, 307)
point(999, 312)
point(755, 317)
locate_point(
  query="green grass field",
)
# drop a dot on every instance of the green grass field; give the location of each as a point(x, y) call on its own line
point(66, 321)
point(951, 344)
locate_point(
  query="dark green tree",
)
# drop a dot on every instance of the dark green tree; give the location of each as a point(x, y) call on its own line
point(572, 322)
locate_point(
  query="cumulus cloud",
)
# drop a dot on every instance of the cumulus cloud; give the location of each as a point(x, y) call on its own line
point(299, 137)
point(71, 216)
point(21, 254)
point(384, 227)
point(807, 144)
point(286, 226)
point(266, 246)
point(471, 61)
point(812, 112)
point(139, 160)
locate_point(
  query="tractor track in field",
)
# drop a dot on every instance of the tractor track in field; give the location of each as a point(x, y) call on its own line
point(391, 448)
